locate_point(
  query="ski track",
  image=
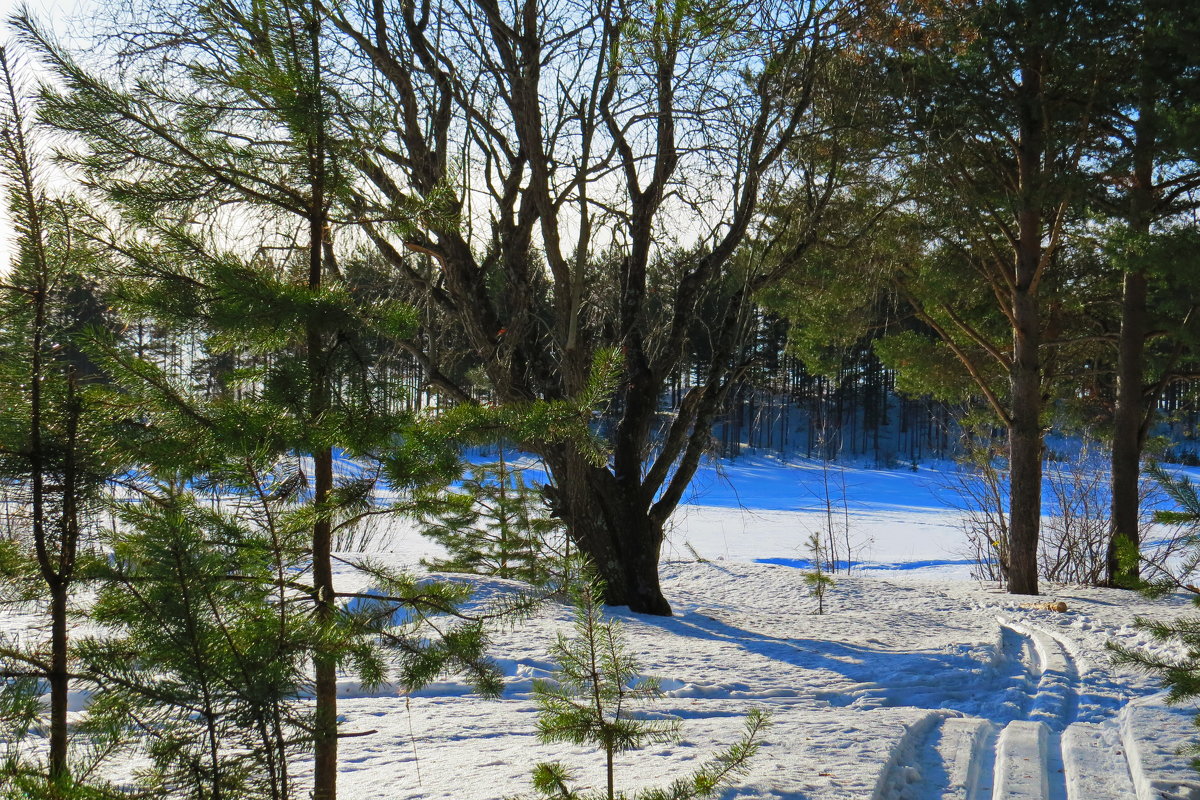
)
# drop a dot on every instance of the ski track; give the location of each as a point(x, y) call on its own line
point(1005, 702)
point(1018, 751)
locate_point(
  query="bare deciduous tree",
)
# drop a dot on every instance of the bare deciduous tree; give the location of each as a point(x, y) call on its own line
point(584, 175)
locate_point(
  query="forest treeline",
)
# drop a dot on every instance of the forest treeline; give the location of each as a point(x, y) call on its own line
point(624, 236)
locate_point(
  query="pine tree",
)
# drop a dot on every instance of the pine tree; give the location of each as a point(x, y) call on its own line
point(55, 457)
point(246, 651)
point(1148, 174)
point(592, 699)
point(210, 637)
point(817, 579)
point(209, 597)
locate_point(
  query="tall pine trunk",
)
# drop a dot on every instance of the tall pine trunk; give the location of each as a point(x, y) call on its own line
point(325, 733)
point(1129, 416)
point(1132, 412)
point(1025, 375)
point(1025, 451)
point(325, 738)
point(325, 729)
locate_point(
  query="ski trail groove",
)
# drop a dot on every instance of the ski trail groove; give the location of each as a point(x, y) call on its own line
point(1017, 751)
point(1075, 760)
point(1029, 755)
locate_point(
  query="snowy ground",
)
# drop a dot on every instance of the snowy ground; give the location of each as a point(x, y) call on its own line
point(916, 683)
point(905, 689)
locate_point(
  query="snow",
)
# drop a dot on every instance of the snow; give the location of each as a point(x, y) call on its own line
point(1150, 731)
point(917, 683)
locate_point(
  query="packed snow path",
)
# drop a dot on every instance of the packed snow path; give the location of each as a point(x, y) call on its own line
point(968, 758)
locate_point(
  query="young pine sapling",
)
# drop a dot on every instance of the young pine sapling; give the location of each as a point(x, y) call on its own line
point(591, 701)
point(818, 581)
point(498, 525)
point(1180, 675)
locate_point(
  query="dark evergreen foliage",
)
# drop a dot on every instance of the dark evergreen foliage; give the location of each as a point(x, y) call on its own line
point(496, 524)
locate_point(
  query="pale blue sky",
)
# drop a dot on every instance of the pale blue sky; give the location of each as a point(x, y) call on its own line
point(60, 13)
point(56, 10)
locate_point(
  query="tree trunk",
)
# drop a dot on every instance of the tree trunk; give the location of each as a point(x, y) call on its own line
point(1025, 429)
point(1128, 418)
point(325, 743)
point(60, 588)
point(58, 678)
point(613, 529)
point(1025, 451)
point(1131, 416)
point(325, 728)
point(1025, 374)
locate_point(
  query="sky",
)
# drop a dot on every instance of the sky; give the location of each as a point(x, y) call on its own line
point(60, 13)
point(57, 10)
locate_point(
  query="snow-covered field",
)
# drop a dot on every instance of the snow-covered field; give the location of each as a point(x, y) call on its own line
point(917, 682)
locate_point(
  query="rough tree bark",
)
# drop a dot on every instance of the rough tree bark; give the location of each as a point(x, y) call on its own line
point(1131, 417)
point(1133, 406)
point(1025, 445)
point(325, 726)
point(1025, 377)
point(619, 537)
